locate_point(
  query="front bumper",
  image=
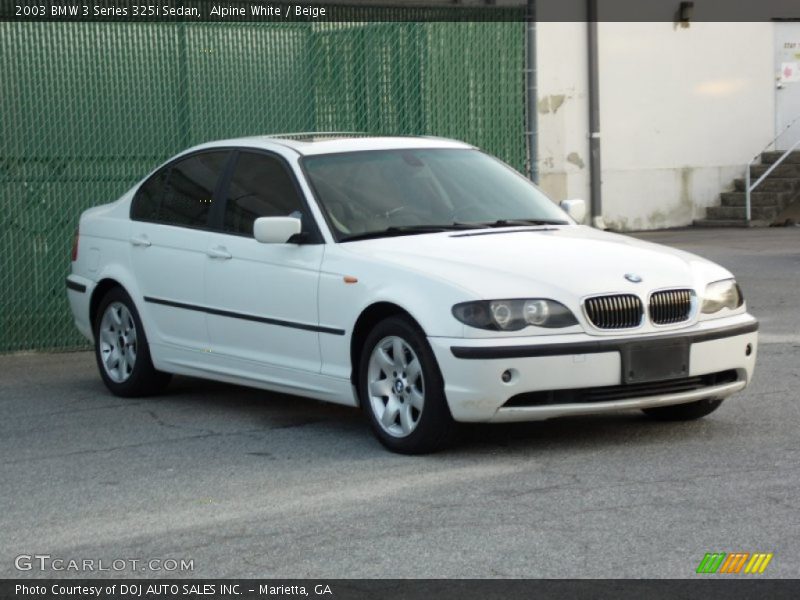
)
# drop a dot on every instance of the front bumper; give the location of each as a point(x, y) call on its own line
point(475, 390)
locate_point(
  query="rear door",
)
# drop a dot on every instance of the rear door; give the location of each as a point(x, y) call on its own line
point(169, 238)
point(262, 298)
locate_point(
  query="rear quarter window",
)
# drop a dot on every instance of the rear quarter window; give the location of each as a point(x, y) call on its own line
point(148, 198)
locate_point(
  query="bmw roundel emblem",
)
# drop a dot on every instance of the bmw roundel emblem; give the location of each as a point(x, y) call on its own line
point(633, 277)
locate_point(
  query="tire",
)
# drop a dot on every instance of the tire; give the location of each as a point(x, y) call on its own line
point(684, 412)
point(121, 348)
point(408, 413)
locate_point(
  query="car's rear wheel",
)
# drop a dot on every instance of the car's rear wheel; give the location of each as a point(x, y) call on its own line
point(121, 348)
point(402, 391)
point(684, 412)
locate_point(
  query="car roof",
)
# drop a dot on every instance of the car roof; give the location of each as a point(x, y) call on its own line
point(312, 143)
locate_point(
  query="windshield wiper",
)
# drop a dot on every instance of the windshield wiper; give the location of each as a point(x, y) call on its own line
point(522, 222)
point(409, 230)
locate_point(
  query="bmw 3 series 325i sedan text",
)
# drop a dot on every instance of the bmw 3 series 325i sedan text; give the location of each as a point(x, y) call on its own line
point(418, 278)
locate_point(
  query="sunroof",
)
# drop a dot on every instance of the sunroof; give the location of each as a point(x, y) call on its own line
point(319, 136)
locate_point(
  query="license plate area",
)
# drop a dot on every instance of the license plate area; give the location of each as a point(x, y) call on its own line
point(654, 361)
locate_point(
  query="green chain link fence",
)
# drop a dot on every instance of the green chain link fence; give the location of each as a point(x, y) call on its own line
point(87, 109)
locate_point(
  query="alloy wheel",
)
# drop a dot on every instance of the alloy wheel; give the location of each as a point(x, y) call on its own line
point(396, 386)
point(117, 342)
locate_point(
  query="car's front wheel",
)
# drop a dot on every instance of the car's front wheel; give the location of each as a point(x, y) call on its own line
point(684, 412)
point(402, 390)
point(121, 348)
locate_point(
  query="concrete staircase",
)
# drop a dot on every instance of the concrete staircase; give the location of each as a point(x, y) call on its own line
point(775, 193)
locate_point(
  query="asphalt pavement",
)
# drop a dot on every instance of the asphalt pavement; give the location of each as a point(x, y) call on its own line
point(245, 483)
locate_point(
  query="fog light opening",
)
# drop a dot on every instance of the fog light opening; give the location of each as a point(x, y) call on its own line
point(509, 376)
point(748, 350)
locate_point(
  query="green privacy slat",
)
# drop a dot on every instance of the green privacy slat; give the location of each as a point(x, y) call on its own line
point(87, 109)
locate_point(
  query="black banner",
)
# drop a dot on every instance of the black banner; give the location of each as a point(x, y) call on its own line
point(730, 588)
point(436, 10)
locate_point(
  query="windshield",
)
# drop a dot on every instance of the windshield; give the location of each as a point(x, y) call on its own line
point(367, 194)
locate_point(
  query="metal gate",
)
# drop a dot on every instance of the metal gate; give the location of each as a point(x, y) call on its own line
point(86, 109)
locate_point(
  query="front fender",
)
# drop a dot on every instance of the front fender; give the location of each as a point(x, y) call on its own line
point(341, 301)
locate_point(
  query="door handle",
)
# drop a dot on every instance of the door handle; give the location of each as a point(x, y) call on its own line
point(140, 240)
point(219, 252)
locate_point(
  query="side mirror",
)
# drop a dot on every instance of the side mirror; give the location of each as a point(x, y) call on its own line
point(575, 209)
point(275, 230)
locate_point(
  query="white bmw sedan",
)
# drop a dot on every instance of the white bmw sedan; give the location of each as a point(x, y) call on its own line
point(418, 278)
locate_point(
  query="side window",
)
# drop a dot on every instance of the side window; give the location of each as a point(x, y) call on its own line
point(261, 186)
point(148, 197)
point(189, 190)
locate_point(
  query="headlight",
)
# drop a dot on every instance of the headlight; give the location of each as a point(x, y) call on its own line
point(513, 315)
point(722, 294)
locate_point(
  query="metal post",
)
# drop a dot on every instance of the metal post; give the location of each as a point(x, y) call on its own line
point(747, 193)
point(595, 171)
point(531, 123)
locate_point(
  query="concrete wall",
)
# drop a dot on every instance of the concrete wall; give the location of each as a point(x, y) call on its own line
point(563, 109)
point(682, 111)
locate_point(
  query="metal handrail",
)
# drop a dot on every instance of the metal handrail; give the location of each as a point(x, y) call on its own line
point(749, 188)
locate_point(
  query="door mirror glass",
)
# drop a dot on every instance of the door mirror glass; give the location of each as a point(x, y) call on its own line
point(275, 230)
point(575, 209)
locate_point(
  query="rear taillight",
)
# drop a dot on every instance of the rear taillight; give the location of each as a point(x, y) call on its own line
point(75, 245)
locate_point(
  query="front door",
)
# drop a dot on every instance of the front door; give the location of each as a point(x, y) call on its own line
point(262, 298)
point(787, 94)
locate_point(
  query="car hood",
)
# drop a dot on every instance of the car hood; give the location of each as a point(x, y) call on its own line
point(569, 262)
